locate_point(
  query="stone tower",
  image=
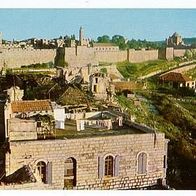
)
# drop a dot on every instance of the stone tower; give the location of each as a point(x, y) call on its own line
point(81, 36)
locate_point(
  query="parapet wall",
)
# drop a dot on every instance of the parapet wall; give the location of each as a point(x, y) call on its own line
point(18, 57)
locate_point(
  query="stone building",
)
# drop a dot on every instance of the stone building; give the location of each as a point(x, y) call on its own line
point(177, 80)
point(105, 47)
point(100, 86)
point(128, 156)
point(92, 150)
point(18, 111)
point(82, 40)
point(174, 40)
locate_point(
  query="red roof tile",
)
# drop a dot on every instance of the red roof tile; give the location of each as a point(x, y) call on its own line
point(31, 106)
point(175, 77)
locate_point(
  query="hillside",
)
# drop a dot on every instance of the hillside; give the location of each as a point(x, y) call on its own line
point(135, 70)
point(172, 118)
point(190, 41)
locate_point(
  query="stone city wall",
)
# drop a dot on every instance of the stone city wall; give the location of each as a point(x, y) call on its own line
point(82, 55)
point(111, 56)
point(136, 56)
point(166, 53)
point(86, 152)
point(179, 52)
point(18, 57)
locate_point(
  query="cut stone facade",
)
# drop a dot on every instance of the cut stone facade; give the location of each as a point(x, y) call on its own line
point(87, 153)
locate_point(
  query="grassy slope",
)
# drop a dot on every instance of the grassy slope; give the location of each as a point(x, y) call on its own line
point(135, 70)
point(192, 73)
point(166, 116)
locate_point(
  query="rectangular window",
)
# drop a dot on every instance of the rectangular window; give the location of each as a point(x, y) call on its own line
point(95, 88)
point(109, 166)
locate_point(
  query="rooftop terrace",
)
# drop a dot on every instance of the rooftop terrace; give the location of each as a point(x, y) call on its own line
point(70, 131)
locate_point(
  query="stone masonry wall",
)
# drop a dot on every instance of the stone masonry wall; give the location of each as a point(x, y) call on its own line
point(111, 56)
point(27, 186)
point(86, 152)
point(136, 56)
point(18, 57)
point(82, 55)
point(179, 52)
point(21, 128)
point(166, 53)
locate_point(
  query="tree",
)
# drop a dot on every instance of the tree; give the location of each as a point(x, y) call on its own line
point(120, 41)
point(188, 54)
point(103, 39)
point(73, 37)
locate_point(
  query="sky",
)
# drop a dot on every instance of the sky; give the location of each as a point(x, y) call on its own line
point(149, 24)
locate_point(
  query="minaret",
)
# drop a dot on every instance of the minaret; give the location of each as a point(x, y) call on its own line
point(81, 36)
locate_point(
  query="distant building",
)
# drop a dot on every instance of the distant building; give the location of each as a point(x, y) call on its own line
point(177, 80)
point(105, 47)
point(100, 86)
point(174, 40)
point(82, 40)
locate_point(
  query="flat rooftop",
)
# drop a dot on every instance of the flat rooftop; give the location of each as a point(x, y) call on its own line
point(70, 131)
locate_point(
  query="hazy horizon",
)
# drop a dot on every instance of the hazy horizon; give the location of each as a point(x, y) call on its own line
point(149, 24)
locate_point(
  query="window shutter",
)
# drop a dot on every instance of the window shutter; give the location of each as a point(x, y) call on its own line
point(144, 163)
point(100, 167)
point(140, 164)
point(116, 165)
point(49, 173)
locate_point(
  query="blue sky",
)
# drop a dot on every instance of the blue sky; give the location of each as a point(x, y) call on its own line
point(150, 24)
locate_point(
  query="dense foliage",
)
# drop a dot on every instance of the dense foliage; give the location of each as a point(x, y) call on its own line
point(167, 116)
point(123, 43)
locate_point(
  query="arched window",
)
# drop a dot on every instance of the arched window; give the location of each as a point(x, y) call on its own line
point(142, 163)
point(109, 166)
point(41, 168)
point(70, 173)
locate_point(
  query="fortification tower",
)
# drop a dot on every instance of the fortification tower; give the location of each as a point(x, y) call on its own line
point(81, 36)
